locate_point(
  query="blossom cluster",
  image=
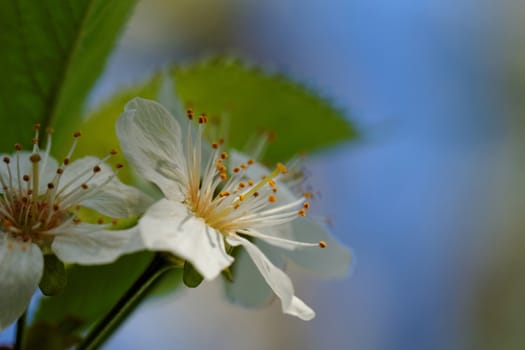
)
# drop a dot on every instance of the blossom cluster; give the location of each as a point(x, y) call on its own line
point(213, 201)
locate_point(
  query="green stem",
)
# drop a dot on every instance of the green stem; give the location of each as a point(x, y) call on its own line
point(20, 327)
point(126, 305)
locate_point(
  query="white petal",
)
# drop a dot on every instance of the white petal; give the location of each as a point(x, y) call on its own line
point(167, 96)
point(332, 261)
point(276, 279)
point(92, 244)
point(21, 267)
point(150, 138)
point(111, 198)
point(249, 287)
point(80, 170)
point(171, 226)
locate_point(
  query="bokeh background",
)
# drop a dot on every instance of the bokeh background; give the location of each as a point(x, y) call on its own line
point(431, 198)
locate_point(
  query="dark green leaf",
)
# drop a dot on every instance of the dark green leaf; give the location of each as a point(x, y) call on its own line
point(54, 279)
point(91, 291)
point(191, 277)
point(52, 53)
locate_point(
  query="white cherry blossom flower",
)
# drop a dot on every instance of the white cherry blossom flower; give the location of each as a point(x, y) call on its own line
point(208, 209)
point(38, 202)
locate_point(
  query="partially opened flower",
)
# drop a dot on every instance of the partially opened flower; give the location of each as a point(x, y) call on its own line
point(39, 199)
point(208, 208)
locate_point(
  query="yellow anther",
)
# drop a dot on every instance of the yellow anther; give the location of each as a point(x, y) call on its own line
point(302, 212)
point(223, 176)
point(322, 244)
point(236, 169)
point(282, 168)
point(35, 157)
point(250, 162)
point(242, 185)
point(250, 182)
point(272, 198)
point(306, 205)
point(215, 145)
point(189, 113)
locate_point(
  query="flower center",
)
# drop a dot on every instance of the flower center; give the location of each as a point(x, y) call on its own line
point(29, 207)
point(229, 201)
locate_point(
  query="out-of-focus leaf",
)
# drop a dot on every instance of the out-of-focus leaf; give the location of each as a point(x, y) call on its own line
point(249, 101)
point(49, 336)
point(90, 293)
point(52, 53)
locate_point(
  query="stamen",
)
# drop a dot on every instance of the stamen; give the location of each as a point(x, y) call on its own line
point(322, 244)
point(278, 239)
point(189, 113)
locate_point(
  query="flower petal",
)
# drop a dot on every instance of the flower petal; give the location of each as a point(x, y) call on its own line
point(93, 244)
point(276, 279)
point(249, 287)
point(332, 261)
point(171, 226)
point(21, 267)
point(150, 138)
point(107, 194)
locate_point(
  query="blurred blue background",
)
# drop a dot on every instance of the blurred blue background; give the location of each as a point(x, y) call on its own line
point(430, 199)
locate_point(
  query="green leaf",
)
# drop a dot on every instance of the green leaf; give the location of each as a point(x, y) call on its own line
point(91, 291)
point(246, 99)
point(52, 53)
point(191, 277)
point(250, 101)
point(54, 279)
